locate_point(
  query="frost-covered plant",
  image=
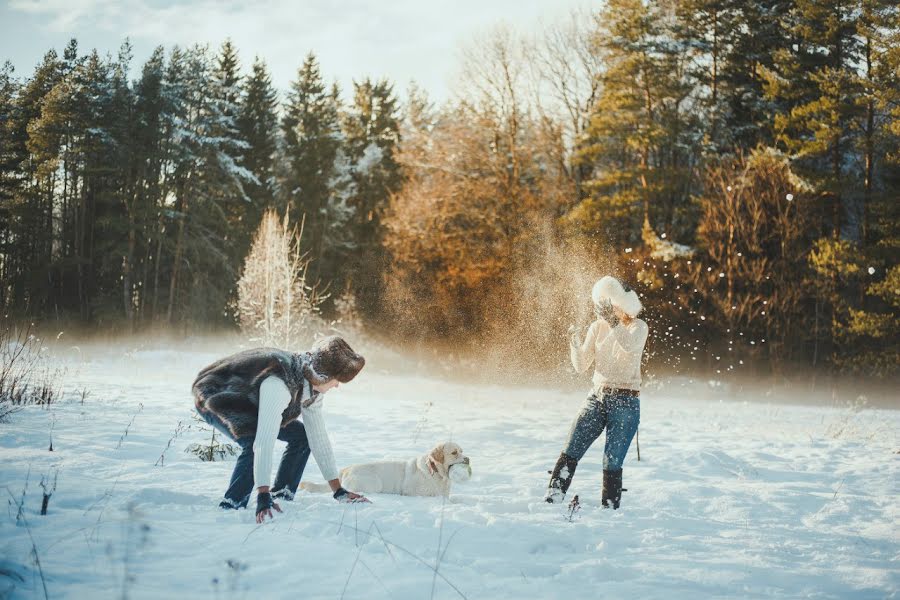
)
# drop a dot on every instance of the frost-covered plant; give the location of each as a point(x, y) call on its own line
point(26, 374)
point(856, 421)
point(275, 304)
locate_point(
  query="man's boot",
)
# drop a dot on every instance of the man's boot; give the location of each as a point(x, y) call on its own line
point(560, 478)
point(612, 488)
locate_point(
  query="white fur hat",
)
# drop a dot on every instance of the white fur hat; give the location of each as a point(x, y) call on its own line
point(609, 288)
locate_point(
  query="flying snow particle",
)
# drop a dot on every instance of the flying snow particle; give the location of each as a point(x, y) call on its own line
point(789, 197)
point(871, 270)
point(721, 275)
point(728, 188)
point(663, 236)
point(627, 250)
point(702, 318)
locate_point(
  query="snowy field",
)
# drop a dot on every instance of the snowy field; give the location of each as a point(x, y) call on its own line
point(729, 500)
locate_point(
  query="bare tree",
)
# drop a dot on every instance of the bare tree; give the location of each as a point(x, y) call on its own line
point(276, 306)
point(567, 65)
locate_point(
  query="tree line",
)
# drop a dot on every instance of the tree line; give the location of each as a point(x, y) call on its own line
point(736, 162)
point(134, 202)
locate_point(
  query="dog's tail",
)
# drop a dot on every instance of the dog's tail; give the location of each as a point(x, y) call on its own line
point(316, 488)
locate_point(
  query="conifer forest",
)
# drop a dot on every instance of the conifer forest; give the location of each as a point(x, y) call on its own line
point(737, 162)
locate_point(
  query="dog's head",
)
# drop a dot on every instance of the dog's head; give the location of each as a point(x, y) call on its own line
point(445, 455)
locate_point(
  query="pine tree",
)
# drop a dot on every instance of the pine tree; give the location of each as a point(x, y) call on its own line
point(756, 32)
point(147, 168)
point(707, 26)
point(642, 141)
point(30, 209)
point(311, 130)
point(210, 179)
point(816, 85)
point(372, 130)
point(240, 213)
point(12, 155)
point(257, 124)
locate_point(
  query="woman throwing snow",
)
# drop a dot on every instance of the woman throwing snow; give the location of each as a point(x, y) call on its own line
point(614, 343)
point(256, 396)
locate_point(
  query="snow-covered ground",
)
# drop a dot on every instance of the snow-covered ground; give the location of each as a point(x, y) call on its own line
point(729, 500)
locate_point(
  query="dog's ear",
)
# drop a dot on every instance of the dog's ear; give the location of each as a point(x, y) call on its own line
point(437, 454)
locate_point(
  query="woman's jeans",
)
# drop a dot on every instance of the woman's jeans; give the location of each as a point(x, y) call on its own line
point(618, 414)
point(293, 461)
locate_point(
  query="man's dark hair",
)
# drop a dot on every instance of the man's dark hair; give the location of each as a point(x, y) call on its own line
point(333, 358)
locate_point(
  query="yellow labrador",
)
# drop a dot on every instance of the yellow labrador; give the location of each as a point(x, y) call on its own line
point(427, 475)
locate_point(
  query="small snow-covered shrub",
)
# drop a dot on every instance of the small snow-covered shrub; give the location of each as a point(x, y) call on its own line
point(213, 450)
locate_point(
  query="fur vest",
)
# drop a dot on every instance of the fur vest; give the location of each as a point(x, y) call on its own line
point(229, 388)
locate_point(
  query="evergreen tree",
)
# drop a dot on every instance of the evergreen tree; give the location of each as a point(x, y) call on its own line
point(817, 87)
point(755, 32)
point(29, 209)
point(257, 124)
point(311, 130)
point(240, 213)
point(209, 179)
point(147, 164)
point(707, 27)
point(642, 140)
point(12, 157)
point(372, 130)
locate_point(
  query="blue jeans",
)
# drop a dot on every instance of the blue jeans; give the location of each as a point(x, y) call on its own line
point(619, 415)
point(290, 470)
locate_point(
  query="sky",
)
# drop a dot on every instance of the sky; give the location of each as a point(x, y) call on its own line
point(403, 40)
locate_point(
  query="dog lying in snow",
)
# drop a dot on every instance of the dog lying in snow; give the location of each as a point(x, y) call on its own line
point(427, 475)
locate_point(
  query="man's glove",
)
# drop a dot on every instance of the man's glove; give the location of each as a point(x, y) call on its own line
point(264, 506)
point(604, 310)
point(345, 497)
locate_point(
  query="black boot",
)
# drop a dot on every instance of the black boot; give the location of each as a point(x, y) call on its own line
point(561, 478)
point(612, 488)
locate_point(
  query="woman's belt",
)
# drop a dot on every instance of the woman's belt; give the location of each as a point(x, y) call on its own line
point(608, 391)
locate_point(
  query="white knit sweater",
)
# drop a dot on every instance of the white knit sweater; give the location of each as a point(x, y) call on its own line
point(274, 397)
point(616, 354)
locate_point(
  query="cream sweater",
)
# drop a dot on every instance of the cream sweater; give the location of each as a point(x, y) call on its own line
point(274, 397)
point(616, 354)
